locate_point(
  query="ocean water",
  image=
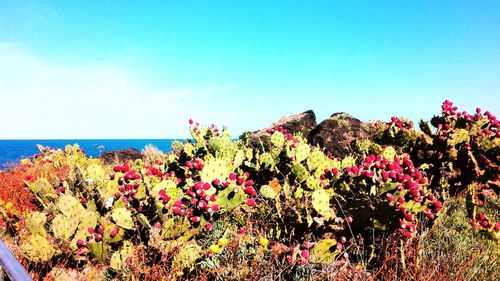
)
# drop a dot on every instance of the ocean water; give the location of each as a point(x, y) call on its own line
point(11, 151)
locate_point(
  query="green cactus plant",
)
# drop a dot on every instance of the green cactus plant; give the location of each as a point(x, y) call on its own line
point(123, 218)
point(228, 199)
point(69, 205)
point(169, 186)
point(37, 249)
point(389, 153)
point(324, 251)
point(239, 158)
point(267, 192)
point(118, 261)
point(87, 219)
point(299, 153)
point(321, 204)
point(316, 159)
point(187, 256)
point(44, 191)
point(300, 172)
point(278, 140)
point(64, 227)
point(215, 169)
point(266, 161)
point(35, 223)
point(100, 250)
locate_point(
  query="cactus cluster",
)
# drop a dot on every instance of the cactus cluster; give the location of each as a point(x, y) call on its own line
point(297, 198)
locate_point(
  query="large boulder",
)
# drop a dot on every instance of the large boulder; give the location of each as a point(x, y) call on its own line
point(119, 156)
point(336, 133)
point(298, 123)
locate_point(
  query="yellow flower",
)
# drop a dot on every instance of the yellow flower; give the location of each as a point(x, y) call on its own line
point(215, 249)
point(222, 242)
point(263, 242)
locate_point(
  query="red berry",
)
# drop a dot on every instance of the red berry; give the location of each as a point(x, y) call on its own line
point(305, 254)
point(98, 237)
point(216, 182)
point(101, 230)
point(389, 197)
point(250, 202)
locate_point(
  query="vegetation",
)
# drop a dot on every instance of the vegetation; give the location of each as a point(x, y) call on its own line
point(406, 205)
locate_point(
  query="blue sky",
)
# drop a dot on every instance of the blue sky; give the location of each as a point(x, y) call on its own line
point(141, 69)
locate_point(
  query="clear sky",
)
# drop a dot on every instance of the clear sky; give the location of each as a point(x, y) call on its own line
point(141, 69)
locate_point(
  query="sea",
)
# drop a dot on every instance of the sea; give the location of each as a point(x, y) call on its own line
point(11, 151)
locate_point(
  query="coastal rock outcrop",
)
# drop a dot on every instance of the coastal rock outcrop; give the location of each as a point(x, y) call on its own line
point(120, 155)
point(334, 134)
point(298, 123)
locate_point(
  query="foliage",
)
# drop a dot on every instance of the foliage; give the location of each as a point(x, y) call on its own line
point(219, 208)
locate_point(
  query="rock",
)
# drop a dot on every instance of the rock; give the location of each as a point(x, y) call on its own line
point(336, 133)
point(123, 155)
point(298, 123)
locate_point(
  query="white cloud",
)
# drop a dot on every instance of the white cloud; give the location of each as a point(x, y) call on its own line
point(45, 99)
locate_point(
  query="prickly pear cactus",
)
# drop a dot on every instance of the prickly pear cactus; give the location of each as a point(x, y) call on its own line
point(37, 248)
point(123, 218)
point(100, 250)
point(324, 251)
point(300, 172)
point(87, 219)
point(223, 147)
point(70, 206)
point(300, 152)
point(118, 260)
point(266, 161)
point(215, 169)
point(35, 223)
point(316, 160)
point(169, 186)
point(228, 199)
point(321, 203)
point(187, 256)
point(278, 140)
point(44, 191)
point(239, 158)
point(64, 227)
point(389, 153)
point(267, 192)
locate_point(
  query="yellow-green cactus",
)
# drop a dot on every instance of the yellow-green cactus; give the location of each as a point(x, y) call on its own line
point(215, 169)
point(300, 172)
point(37, 248)
point(187, 256)
point(64, 227)
point(321, 203)
point(35, 223)
point(324, 251)
point(118, 260)
point(123, 217)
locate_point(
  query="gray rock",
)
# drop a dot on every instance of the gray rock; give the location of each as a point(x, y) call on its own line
point(120, 156)
point(336, 133)
point(298, 123)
